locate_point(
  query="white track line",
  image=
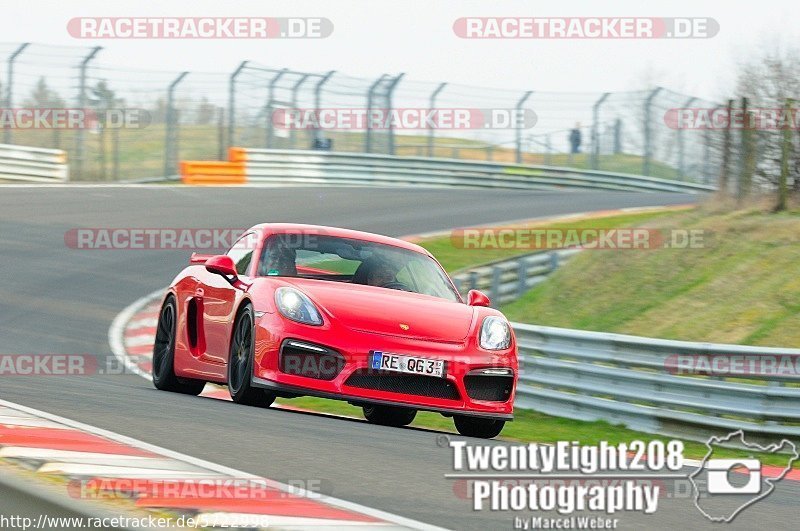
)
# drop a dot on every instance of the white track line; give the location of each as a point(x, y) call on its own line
point(141, 445)
point(116, 332)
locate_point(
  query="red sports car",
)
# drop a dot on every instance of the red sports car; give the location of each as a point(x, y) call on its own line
point(293, 310)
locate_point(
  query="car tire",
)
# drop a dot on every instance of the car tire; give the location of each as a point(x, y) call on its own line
point(240, 363)
point(478, 427)
point(163, 361)
point(389, 416)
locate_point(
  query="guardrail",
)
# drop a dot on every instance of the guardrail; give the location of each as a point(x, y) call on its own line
point(22, 163)
point(634, 381)
point(506, 280)
point(316, 167)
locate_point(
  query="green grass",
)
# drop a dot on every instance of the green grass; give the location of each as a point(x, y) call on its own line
point(531, 426)
point(454, 258)
point(742, 287)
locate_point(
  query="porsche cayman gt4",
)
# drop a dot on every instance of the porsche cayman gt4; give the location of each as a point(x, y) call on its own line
point(299, 310)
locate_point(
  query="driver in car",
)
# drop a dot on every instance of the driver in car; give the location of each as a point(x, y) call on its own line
point(380, 274)
point(279, 259)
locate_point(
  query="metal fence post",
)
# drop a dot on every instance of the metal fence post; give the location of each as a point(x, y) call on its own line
point(518, 127)
point(389, 94)
point(232, 104)
point(171, 136)
point(722, 185)
point(270, 101)
point(221, 133)
point(370, 97)
point(79, 134)
point(595, 134)
point(10, 88)
point(747, 155)
point(681, 172)
point(431, 107)
point(295, 90)
point(647, 132)
point(706, 156)
point(548, 149)
point(318, 100)
point(786, 153)
point(617, 136)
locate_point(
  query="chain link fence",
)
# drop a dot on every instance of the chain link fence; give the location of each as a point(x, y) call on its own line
point(197, 116)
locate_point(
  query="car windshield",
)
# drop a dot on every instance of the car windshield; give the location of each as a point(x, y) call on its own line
point(354, 261)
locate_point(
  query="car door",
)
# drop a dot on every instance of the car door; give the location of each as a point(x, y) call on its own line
point(220, 301)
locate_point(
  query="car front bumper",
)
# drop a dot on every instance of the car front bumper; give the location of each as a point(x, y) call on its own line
point(337, 364)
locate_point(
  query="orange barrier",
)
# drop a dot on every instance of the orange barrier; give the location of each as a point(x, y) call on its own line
point(237, 154)
point(212, 172)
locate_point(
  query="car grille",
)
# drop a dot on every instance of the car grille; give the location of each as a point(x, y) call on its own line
point(410, 384)
point(309, 363)
point(490, 388)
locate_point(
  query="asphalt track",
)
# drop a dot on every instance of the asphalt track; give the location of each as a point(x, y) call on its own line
point(54, 299)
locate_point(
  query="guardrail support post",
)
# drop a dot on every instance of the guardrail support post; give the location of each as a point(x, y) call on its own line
point(432, 107)
point(494, 290)
point(554, 258)
point(522, 276)
point(79, 134)
point(473, 280)
point(318, 101)
point(171, 137)
point(518, 125)
point(595, 133)
point(389, 94)
point(681, 171)
point(647, 132)
point(232, 104)
point(370, 98)
point(295, 90)
point(10, 88)
point(270, 101)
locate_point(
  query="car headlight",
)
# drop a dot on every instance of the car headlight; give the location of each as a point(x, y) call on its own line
point(295, 305)
point(495, 333)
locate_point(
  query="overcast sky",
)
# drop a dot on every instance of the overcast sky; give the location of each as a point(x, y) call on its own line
point(416, 37)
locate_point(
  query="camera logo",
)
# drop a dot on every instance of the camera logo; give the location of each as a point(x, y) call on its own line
point(723, 488)
point(719, 471)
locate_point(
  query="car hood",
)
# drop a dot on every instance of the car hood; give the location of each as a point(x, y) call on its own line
point(384, 311)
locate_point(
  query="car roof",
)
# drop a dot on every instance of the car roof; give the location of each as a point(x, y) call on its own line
point(282, 228)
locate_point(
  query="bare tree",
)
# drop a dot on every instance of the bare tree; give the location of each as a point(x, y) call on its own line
point(768, 80)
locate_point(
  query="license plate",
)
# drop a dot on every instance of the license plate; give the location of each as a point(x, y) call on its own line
point(386, 361)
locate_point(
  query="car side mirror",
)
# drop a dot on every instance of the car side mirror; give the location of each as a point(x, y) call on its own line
point(477, 298)
point(221, 265)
